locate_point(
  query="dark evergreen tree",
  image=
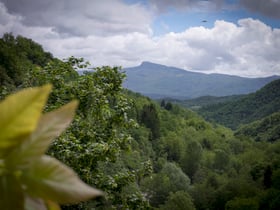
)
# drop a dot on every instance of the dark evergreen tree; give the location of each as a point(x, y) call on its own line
point(149, 117)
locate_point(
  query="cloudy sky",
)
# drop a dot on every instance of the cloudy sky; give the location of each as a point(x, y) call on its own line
point(238, 37)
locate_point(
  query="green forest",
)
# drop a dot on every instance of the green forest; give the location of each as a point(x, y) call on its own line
point(146, 154)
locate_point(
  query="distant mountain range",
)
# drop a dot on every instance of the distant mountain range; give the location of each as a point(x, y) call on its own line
point(159, 81)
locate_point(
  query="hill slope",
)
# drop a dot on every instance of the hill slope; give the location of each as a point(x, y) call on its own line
point(247, 109)
point(266, 129)
point(196, 103)
point(159, 81)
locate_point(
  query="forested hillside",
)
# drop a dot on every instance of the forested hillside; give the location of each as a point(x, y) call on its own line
point(247, 109)
point(197, 103)
point(266, 129)
point(144, 154)
point(18, 55)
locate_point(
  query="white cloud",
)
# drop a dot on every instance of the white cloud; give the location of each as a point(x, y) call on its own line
point(249, 48)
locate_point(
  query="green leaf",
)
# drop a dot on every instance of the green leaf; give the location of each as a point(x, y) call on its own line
point(11, 196)
point(52, 180)
point(50, 126)
point(20, 113)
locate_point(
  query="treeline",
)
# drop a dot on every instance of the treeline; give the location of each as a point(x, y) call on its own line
point(144, 154)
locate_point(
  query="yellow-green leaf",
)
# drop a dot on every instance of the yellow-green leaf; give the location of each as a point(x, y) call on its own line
point(20, 113)
point(52, 205)
point(51, 180)
point(49, 127)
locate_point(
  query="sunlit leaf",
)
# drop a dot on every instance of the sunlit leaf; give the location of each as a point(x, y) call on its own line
point(20, 113)
point(50, 126)
point(52, 180)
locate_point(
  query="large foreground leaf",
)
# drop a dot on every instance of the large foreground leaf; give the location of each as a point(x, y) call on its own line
point(20, 113)
point(11, 196)
point(50, 126)
point(39, 204)
point(52, 180)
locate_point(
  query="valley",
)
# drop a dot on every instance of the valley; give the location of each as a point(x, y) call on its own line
point(143, 153)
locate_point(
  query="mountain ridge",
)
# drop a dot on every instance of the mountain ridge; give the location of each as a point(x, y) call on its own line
point(159, 81)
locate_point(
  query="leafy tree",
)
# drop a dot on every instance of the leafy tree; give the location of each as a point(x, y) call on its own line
point(169, 179)
point(162, 103)
point(168, 106)
point(99, 133)
point(267, 177)
point(179, 200)
point(190, 161)
point(270, 200)
point(174, 146)
point(221, 159)
point(242, 203)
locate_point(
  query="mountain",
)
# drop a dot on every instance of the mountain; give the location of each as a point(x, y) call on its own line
point(159, 81)
point(247, 109)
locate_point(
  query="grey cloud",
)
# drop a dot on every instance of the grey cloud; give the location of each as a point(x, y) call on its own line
point(82, 18)
point(270, 8)
point(163, 5)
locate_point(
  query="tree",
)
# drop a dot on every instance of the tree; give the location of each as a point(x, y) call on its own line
point(241, 204)
point(221, 159)
point(162, 103)
point(149, 117)
point(267, 177)
point(170, 179)
point(168, 106)
point(190, 161)
point(173, 145)
point(99, 133)
point(179, 200)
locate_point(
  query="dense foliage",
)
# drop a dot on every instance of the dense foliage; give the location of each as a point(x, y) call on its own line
point(149, 155)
